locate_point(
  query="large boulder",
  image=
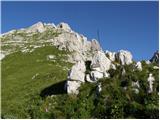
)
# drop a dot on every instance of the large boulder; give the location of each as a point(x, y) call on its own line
point(77, 72)
point(124, 57)
point(101, 59)
point(72, 87)
point(75, 77)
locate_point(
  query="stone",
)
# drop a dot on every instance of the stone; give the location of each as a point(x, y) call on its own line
point(100, 59)
point(139, 66)
point(77, 72)
point(150, 81)
point(124, 57)
point(72, 87)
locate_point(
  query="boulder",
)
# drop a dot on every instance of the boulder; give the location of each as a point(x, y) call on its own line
point(124, 57)
point(100, 59)
point(77, 72)
point(72, 87)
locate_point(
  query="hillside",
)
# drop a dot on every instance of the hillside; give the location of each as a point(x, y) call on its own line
point(51, 71)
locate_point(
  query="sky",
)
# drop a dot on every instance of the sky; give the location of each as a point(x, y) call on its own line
point(125, 25)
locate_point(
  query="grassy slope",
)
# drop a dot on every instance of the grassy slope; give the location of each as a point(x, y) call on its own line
point(18, 87)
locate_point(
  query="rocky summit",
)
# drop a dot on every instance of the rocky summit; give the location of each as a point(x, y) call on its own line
point(48, 60)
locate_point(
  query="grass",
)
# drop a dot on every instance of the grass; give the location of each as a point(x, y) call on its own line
point(18, 85)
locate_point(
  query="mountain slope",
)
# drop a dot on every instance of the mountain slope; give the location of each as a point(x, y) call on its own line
point(38, 62)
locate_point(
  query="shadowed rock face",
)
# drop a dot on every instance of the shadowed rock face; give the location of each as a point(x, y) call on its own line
point(155, 57)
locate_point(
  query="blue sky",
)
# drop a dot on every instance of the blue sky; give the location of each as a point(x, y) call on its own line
point(130, 26)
